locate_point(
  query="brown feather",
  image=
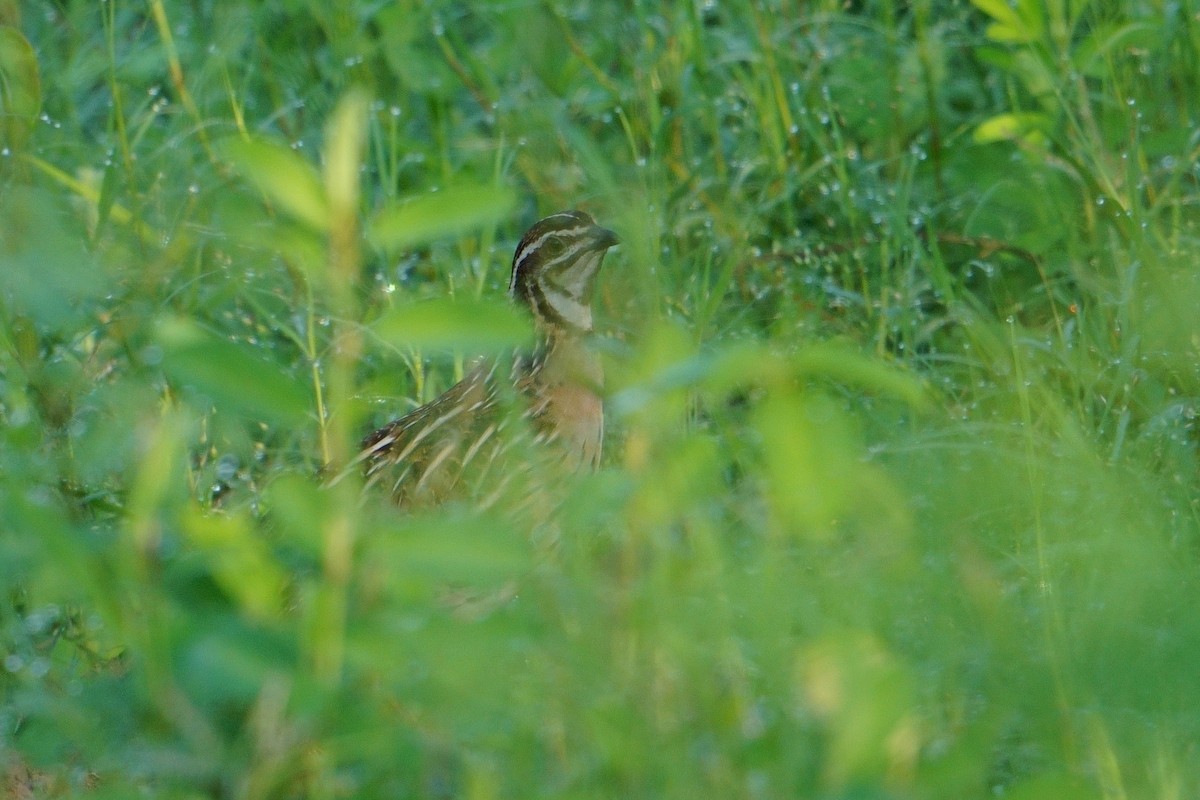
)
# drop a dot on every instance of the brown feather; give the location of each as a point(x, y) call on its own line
point(465, 441)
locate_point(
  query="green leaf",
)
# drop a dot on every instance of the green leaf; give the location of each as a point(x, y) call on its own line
point(737, 365)
point(451, 548)
point(288, 181)
point(20, 88)
point(1006, 127)
point(230, 375)
point(1053, 786)
point(1109, 42)
point(46, 270)
point(240, 561)
point(864, 698)
point(845, 365)
point(1019, 24)
point(477, 326)
point(225, 662)
point(345, 136)
point(438, 215)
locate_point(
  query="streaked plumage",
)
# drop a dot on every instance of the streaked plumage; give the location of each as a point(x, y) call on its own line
point(464, 440)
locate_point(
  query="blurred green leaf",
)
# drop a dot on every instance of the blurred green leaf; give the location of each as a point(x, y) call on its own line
point(1053, 786)
point(288, 181)
point(1007, 127)
point(230, 375)
point(412, 57)
point(345, 137)
point(845, 365)
point(301, 509)
point(441, 550)
point(475, 326)
point(740, 365)
point(240, 560)
point(811, 462)
point(449, 212)
point(1110, 42)
point(245, 220)
point(46, 270)
point(20, 89)
point(1015, 23)
point(865, 697)
point(226, 663)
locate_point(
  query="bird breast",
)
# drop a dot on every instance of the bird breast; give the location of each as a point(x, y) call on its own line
point(568, 407)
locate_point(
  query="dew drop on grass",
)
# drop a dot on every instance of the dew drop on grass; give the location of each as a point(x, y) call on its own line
point(227, 467)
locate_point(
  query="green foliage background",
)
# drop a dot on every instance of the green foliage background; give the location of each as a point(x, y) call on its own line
point(900, 497)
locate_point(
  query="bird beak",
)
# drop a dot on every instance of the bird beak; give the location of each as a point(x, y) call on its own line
point(603, 238)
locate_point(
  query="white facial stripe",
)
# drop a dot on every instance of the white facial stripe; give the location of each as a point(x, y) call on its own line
point(575, 280)
point(568, 308)
point(536, 243)
point(566, 257)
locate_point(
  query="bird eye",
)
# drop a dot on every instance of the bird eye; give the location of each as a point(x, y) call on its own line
point(554, 247)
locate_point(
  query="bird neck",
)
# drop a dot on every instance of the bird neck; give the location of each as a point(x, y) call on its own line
point(563, 356)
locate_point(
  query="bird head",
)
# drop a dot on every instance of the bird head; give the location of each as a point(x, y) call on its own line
point(555, 266)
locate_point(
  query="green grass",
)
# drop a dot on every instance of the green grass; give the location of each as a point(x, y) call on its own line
point(900, 496)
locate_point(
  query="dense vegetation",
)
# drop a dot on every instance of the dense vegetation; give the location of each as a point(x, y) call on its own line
point(900, 495)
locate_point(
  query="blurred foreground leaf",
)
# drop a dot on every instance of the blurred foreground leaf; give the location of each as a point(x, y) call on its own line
point(240, 561)
point(1006, 127)
point(434, 216)
point(46, 271)
point(865, 698)
point(1015, 22)
point(229, 375)
point(283, 176)
point(446, 549)
point(739, 365)
point(475, 326)
point(345, 138)
point(20, 89)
